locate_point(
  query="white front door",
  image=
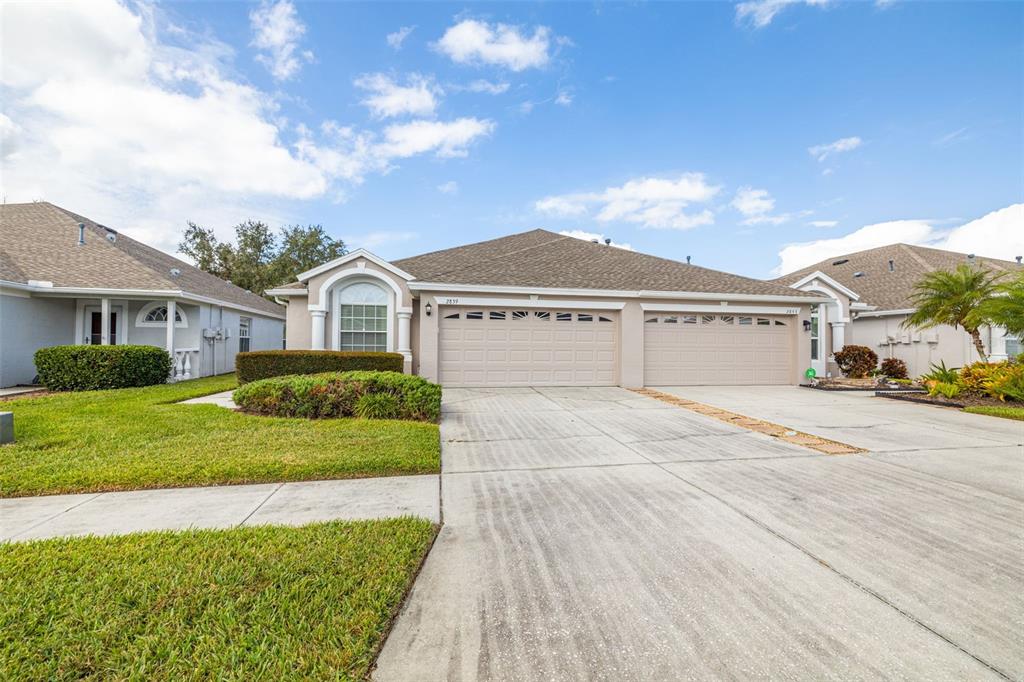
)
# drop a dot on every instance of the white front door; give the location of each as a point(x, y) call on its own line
point(93, 326)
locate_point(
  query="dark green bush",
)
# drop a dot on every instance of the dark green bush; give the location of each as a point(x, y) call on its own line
point(91, 368)
point(894, 368)
point(276, 363)
point(367, 394)
point(856, 361)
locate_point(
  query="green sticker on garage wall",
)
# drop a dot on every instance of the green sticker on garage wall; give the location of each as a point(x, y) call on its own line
point(810, 373)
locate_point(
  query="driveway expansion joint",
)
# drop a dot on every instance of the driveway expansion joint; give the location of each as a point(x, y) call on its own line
point(778, 431)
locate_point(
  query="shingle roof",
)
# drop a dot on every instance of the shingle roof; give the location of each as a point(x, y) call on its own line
point(544, 259)
point(39, 241)
point(886, 290)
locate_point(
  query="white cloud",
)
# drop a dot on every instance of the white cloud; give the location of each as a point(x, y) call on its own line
point(823, 151)
point(111, 114)
point(450, 187)
point(594, 236)
point(387, 98)
point(373, 240)
point(998, 234)
point(477, 42)
point(485, 86)
point(658, 203)
point(759, 13)
point(396, 39)
point(756, 205)
point(951, 137)
point(823, 223)
point(445, 139)
point(753, 202)
point(564, 98)
point(277, 31)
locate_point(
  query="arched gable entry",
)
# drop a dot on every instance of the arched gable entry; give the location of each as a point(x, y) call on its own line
point(362, 313)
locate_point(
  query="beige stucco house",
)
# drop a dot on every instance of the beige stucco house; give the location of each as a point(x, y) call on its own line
point(65, 279)
point(539, 308)
point(869, 298)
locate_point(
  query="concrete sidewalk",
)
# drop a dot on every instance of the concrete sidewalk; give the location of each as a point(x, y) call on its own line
point(29, 518)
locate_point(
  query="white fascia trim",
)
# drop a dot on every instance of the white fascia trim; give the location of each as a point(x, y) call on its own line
point(862, 306)
point(350, 256)
point(453, 299)
point(818, 274)
point(287, 292)
point(611, 293)
point(140, 293)
point(885, 313)
point(704, 308)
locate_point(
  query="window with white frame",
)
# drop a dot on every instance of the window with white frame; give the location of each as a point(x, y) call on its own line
point(1014, 346)
point(815, 320)
point(363, 317)
point(155, 315)
point(244, 334)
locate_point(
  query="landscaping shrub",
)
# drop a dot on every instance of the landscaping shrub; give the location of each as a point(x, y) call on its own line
point(947, 375)
point(941, 388)
point(856, 361)
point(973, 377)
point(275, 363)
point(1006, 382)
point(894, 368)
point(91, 368)
point(343, 394)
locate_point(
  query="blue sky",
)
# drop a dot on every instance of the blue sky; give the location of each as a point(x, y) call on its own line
point(722, 131)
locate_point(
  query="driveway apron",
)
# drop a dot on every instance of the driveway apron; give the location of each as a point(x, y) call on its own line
point(598, 534)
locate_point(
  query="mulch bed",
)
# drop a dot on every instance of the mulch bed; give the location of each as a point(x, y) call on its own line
point(960, 402)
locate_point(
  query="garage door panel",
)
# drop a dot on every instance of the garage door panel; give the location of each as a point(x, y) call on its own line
point(499, 347)
point(717, 349)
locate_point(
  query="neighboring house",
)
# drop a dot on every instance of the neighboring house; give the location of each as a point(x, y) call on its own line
point(870, 295)
point(538, 308)
point(66, 280)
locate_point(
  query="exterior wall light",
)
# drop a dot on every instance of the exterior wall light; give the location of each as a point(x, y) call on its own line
point(429, 308)
point(807, 325)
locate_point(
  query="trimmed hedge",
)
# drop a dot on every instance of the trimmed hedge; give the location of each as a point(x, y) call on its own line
point(369, 395)
point(894, 368)
point(264, 364)
point(92, 368)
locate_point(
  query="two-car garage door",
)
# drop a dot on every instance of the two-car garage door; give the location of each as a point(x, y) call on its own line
point(530, 347)
point(538, 347)
point(703, 349)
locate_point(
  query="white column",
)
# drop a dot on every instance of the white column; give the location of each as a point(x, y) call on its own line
point(105, 321)
point(319, 319)
point(172, 310)
point(838, 336)
point(404, 334)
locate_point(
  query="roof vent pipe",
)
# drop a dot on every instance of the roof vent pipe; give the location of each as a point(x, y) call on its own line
point(607, 241)
point(687, 260)
point(81, 234)
point(892, 265)
point(1018, 259)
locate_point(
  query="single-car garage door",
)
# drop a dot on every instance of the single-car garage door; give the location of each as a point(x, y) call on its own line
point(701, 349)
point(529, 347)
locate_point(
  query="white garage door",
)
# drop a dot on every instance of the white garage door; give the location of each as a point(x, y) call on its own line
point(509, 347)
point(697, 349)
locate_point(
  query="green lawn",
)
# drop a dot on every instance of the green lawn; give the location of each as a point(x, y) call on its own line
point(1007, 412)
point(138, 438)
point(264, 603)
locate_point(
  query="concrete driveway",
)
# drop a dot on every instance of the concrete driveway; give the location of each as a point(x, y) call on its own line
point(598, 534)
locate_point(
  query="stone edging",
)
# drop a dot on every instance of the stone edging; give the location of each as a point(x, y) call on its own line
point(791, 436)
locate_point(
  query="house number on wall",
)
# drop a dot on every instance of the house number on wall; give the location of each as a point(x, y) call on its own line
point(450, 301)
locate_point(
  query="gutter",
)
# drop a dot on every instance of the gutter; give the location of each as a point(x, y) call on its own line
point(150, 293)
point(416, 286)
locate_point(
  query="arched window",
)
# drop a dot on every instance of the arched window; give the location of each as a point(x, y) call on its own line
point(155, 315)
point(363, 317)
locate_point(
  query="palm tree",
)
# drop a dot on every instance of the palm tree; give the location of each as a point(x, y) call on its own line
point(1007, 309)
point(958, 298)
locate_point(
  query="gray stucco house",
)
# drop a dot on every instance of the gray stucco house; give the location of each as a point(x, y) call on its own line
point(539, 308)
point(869, 298)
point(64, 279)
